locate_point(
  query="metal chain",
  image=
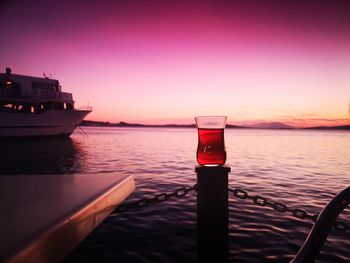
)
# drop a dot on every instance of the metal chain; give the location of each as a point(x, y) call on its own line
point(178, 193)
point(279, 207)
point(237, 192)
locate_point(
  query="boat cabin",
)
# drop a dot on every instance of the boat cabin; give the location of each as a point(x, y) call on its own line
point(26, 94)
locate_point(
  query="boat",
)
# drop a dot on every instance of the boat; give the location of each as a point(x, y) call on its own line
point(34, 107)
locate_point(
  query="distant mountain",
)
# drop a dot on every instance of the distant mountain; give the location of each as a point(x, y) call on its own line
point(271, 125)
point(230, 126)
point(262, 125)
point(108, 124)
point(125, 124)
point(344, 127)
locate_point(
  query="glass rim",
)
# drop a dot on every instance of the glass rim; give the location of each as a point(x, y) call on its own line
point(211, 122)
point(212, 116)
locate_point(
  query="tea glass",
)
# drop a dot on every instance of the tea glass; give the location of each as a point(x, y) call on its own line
point(211, 145)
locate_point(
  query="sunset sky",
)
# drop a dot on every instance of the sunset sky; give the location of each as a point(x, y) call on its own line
point(163, 61)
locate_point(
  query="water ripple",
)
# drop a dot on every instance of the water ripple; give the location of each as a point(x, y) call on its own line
point(302, 169)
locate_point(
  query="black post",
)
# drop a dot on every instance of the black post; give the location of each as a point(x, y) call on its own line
point(212, 213)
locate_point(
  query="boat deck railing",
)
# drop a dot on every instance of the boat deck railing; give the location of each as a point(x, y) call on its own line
point(37, 95)
point(85, 108)
point(55, 95)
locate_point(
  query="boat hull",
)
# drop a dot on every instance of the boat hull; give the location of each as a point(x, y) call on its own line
point(49, 124)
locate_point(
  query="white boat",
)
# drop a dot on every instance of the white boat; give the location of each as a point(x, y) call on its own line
point(32, 107)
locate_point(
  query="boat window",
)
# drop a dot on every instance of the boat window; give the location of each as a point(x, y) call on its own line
point(7, 107)
point(26, 108)
point(2, 89)
point(58, 106)
point(55, 88)
point(39, 108)
point(43, 86)
point(21, 107)
point(9, 84)
point(47, 106)
point(16, 89)
point(68, 106)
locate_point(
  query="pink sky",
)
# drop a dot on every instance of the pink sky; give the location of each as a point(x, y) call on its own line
point(168, 61)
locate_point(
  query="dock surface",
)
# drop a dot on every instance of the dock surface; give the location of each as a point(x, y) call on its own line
point(43, 217)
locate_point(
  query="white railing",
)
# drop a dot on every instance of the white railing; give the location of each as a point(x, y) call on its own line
point(85, 107)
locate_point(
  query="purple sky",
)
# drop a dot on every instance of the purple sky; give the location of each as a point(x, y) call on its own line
point(167, 61)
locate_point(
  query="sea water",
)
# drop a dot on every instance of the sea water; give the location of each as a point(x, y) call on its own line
point(301, 168)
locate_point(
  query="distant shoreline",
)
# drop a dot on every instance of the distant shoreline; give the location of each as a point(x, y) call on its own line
point(229, 126)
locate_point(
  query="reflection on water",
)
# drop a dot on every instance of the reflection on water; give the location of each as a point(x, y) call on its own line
point(302, 169)
point(41, 157)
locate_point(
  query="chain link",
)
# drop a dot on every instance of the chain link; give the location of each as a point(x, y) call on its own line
point(178, 193)
point(238, 193)
point(279, 207)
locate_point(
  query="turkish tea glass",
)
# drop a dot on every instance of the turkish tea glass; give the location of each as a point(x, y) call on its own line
point(211, 145)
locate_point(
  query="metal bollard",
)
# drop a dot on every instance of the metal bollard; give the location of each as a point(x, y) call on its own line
point(212, 213)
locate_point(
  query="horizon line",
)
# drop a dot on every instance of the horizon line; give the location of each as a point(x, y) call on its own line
point(268, 125)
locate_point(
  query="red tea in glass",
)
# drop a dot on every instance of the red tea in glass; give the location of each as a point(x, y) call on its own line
point(211, 145)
